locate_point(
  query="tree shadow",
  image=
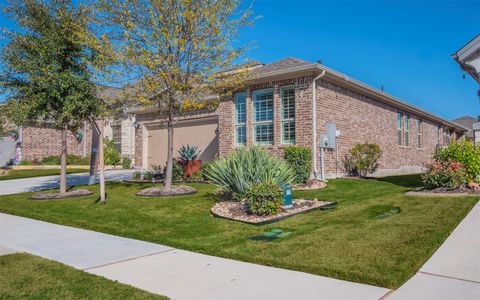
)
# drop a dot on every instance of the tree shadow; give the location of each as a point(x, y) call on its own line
point(410, 181)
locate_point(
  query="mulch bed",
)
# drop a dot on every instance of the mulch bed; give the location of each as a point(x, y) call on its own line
point(444, 192)
point(233, 210)
point(57, 195)
point(312, 184)
point(177, 190)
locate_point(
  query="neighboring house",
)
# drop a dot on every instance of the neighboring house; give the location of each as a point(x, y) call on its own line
point(37, 142)
point(469, 122)
point(469, 59)
point(291, 101)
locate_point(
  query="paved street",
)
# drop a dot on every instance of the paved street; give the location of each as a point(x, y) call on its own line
point(33, 184)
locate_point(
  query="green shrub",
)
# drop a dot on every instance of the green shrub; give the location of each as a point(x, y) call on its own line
point(25, 162)
point(300, 159)
point(137, 175)
point(264, 199)
point(126, 163)
point(362, 159)
point(197, 176)
point(148, 175)
point(464, 153)
point(245, 167)
point(71, 160)
point(51, 160)
point(111, 155)
point(203, 168)
point(177, 171)
point(82, 160)
point(445, 174)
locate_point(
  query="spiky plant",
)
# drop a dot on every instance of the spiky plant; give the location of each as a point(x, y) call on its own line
point(189, 152)
point(245, 167)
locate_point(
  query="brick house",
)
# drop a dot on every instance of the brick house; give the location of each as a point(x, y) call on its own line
point(291, 101)
point(37, 142)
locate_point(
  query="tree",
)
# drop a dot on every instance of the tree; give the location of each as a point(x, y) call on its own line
point(47, 68)
point(177, 51)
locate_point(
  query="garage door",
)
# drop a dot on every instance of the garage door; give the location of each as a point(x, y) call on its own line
point(202, 133)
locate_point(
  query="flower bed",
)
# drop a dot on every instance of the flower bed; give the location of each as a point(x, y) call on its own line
point(233, 210)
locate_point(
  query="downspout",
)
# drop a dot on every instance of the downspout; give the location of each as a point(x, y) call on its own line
point(314, 123)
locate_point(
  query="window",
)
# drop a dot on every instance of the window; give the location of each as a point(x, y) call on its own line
point(263, 117)
point(439, 135)
point(419, 134)
point(406, 125)
point(288, 115)
point(446, 138)
point(117, 137)
point(240, 119)
point(399, 128)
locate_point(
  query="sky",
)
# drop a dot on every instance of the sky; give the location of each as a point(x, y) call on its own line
point(405, 46)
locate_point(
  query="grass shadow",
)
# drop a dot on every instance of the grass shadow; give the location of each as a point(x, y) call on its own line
point(409, 181)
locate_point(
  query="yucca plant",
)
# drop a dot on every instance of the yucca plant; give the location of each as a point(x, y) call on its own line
point(188, 152)
point(245, 167)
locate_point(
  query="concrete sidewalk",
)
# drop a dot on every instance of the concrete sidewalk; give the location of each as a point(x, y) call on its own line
point(453, 272)
point(15, 186)
point(167, 271)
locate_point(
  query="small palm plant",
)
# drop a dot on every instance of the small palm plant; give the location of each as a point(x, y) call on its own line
point(189, 152)
point(245, 167)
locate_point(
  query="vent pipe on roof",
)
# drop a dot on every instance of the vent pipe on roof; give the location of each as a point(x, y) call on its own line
point(314, 124)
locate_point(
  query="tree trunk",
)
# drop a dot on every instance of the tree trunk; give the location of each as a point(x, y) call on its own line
point(168, 175)
point(101, 162)
point(63, 161)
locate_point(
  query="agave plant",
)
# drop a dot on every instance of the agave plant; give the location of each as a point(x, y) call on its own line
point(235, 173)
point(189, 152)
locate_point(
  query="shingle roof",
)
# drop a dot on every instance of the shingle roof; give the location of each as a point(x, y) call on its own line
point(466, 121)
point(283, 64)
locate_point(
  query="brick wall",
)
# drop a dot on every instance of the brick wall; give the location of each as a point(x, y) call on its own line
point(303, 113)
point(359, 118)
point(39, 142)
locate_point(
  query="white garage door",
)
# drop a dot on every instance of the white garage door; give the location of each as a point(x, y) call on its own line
point(202, 133)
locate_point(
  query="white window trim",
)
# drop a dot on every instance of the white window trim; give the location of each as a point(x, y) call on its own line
point(399, 130)
point(406, 130)
point(254, 135)
point(288, 120)
point(419, 134)
point(242, 124)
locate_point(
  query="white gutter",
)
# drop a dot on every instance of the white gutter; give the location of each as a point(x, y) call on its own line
point(314, 123)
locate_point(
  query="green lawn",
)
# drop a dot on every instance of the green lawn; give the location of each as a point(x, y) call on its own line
point(17, 174)
point(24, 276)
point(349, 243)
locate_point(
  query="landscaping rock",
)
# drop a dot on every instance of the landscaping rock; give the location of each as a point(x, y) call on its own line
point(473, 186)
point(444, 192)
point(234, 210)
point(57, 195)
point(312, 184)
point(176, 190)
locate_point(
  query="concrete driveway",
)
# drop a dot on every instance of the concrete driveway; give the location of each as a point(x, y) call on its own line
point(34, 184)
point(167, 271)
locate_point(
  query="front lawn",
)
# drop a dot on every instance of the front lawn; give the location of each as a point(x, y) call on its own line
point(351, 243)
point(17, 174)
point(24, 276)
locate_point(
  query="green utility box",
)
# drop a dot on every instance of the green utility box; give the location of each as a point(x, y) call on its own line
point(287, 196)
